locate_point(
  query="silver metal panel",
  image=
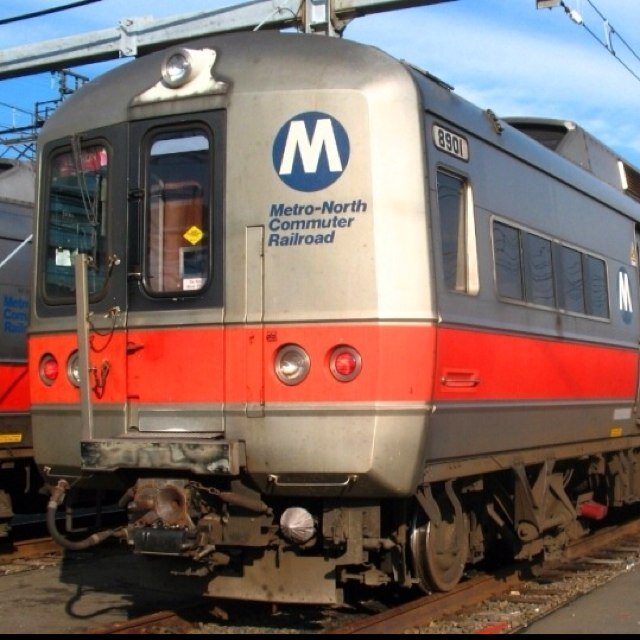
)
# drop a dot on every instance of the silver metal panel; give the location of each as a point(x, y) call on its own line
point(490, 428)
point(57, 433)
point(382, 448)
point(376, 264)
point(254, 290)
point(177, 419)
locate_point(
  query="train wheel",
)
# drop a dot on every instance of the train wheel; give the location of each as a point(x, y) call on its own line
point(440, 545)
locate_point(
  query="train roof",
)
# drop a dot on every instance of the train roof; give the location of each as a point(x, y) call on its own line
point(252, 62)
point(571, 141)
point(17, 181)
point(247, 61)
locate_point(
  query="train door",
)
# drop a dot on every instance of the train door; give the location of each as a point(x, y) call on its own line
point(175, 337)
point(254, 316)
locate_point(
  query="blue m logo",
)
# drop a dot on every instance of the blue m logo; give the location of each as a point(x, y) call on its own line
point(311, 151)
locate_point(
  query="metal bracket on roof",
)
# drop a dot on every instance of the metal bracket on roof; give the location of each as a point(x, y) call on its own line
point(128, 41)
point(137, 36)
point(319, 17)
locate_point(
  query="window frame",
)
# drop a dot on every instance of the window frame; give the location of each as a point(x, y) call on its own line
point(471, 271)
point(153, 135)
point(557, 272)
point(54, 152)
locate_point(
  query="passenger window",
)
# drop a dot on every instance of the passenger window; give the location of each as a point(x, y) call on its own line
point(508, 261)
point(76, 219)
point(177, 229)
point(597, 295)
point(538, 270)
point(571, 288)
point(457, 234)
point(521, 256)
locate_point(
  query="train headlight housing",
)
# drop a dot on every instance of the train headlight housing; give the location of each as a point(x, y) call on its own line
point(345, 363)
point(292, 364)
point(73, 369)
point(48, 369)
point(177, 68)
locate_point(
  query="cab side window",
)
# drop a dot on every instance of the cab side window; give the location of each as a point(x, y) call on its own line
point(457, 233)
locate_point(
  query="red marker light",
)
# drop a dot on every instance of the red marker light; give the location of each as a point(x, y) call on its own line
point(49, 369)
point(345, 363)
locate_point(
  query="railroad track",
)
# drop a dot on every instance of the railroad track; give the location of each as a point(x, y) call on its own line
point(27, 555)
point(503, 603)
point(490, 604)
point(508, 602)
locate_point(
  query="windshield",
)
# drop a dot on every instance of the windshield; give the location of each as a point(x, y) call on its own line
point(76, 219)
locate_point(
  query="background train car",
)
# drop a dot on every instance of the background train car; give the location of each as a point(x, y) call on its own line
point(325, 322)
point(19, 479)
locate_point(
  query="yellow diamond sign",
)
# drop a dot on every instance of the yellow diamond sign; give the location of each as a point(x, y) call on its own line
point(193, 235)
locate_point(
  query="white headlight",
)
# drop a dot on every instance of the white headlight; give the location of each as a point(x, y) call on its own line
point(292, 364)
point(176, 68)
point(73, 369)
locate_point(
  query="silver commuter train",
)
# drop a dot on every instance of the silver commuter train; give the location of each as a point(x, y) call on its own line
point(326, 322)
point(19, 479)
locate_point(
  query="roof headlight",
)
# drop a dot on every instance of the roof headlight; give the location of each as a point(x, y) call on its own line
point(177, 68)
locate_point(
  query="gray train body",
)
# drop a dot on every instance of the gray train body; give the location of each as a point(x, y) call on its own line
point(403, 332)
point(19, 480)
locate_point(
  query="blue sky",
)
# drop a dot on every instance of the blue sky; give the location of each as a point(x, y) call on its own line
point(505, 55)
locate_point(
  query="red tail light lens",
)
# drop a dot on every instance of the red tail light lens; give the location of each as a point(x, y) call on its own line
point(345, 363)
point(49, 369)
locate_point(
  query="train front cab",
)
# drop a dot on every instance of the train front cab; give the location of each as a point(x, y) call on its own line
point(249, 344)
point(256, 377)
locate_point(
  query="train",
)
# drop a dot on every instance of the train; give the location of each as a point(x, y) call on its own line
point(20, 481)
point(325, 325)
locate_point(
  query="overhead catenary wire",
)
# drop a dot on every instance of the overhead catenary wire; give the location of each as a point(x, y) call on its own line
point(609, 30)
point(44, 12)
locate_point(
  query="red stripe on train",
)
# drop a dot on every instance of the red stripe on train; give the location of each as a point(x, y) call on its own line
point(494, 366)
point(402, 363)
point(14, 388)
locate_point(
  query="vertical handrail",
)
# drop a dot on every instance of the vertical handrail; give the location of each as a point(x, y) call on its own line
point(82, 321)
